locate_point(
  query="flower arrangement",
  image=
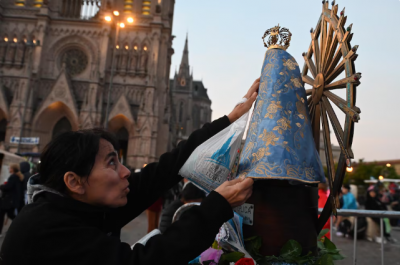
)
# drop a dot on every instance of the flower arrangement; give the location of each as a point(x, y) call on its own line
point(290, 254)
point(215, 255)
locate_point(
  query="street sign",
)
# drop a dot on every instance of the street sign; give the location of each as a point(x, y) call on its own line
point(25, 140)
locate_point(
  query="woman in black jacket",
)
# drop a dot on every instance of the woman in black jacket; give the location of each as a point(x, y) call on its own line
point(11, 194)
point(83, 196)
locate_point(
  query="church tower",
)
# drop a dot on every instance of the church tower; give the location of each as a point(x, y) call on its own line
point(190, 101)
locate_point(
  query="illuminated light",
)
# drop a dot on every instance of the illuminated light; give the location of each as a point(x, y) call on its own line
point(108, 18)
point(122, 25)
point(15, 40)
point(349, 169)
point(130, 20)
point(25, 40)
point(5, 39)
point(388, 165)
point(145, 48)
point(117, 46)
point(34, 42)
point(126, 47)
point(381, 177)
point(144, 165)
point(135, 48)
point(116, 13)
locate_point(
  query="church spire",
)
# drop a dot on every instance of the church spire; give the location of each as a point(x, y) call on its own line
point(184, 67)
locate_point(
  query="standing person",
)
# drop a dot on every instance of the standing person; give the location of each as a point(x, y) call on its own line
point(11, 197)
point(83, 196)
point(25, 170)
point(350, 203)
point(374, 203)
point(323, 195)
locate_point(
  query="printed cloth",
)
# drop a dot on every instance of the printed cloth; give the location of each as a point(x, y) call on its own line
point(279, 143)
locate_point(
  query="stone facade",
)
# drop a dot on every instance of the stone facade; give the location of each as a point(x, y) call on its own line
point(70, 68)
point(191, 104)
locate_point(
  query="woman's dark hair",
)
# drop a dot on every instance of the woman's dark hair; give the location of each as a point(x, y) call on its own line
point(71, 151)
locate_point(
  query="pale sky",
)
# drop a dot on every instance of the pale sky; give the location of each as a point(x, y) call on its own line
point(226, 52)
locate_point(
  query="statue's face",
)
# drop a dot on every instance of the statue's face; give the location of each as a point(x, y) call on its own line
point(107, 183)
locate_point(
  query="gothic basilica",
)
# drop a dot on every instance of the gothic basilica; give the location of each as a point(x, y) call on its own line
point(58, 59)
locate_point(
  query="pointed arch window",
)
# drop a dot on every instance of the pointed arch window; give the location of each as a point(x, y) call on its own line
point(123, 138)
point(181, 112)
point(63, 125)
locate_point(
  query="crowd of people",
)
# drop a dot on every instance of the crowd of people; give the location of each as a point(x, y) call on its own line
point(378, 197)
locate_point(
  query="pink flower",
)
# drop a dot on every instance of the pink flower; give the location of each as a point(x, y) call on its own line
point(245, 261)
point(211, 254)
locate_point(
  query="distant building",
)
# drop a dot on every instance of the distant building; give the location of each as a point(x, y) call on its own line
point(335, 150)
point(191, 104)
point(71, 70)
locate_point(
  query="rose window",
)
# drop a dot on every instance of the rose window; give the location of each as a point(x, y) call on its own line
point(75, 61)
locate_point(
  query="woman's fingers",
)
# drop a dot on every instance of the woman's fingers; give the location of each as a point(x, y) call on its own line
point(236, 191)
point(254, 88)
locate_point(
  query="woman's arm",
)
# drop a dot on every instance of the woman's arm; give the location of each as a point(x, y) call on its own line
point(156, 178)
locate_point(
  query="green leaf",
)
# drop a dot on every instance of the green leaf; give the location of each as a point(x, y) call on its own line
point(291, 249)
point(255, 242)
point(338, 257)
point(320, 245)
point(329, 244)
point(232, 257)
point(326, 260)
point(322, 233)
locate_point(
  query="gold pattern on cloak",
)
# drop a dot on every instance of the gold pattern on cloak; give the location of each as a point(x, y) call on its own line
point(271, 170)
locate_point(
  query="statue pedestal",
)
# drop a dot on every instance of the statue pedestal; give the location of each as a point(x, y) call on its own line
point(282, 212)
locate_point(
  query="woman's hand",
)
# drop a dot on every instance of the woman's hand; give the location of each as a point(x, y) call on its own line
point(241, 109)
point(236, 191)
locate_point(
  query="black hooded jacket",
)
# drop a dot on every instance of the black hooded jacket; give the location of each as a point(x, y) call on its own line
point(25, 169)
point(11, 197)
point(56, 229)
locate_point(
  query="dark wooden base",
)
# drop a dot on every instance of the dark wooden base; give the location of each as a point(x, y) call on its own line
point(282, 212)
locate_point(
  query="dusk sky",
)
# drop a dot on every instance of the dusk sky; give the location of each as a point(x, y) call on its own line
point(226, 52)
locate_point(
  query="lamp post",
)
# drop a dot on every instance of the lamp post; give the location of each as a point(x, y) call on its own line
point(30, 44)
point(118, 25)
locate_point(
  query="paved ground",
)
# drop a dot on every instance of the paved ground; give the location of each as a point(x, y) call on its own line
point(368, 253)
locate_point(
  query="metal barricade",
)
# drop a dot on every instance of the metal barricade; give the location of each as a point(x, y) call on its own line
point(366, 213)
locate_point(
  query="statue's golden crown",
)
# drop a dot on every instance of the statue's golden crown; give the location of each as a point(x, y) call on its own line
point(278, 38)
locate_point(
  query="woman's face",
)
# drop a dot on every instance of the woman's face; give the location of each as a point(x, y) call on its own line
point(372, 194)
point(107, 184)
point(11, 170)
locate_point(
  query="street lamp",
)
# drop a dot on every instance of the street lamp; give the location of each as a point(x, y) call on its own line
point(381, 177)
point(349, 169)
point(118, 25)
point(30, 44)
point(388, 165)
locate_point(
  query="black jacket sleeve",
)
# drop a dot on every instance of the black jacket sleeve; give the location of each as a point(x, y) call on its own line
point(156, 178)
point(187, 238)
point(74, 243)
